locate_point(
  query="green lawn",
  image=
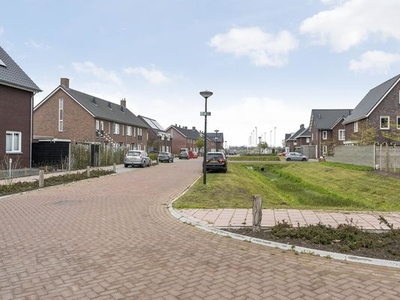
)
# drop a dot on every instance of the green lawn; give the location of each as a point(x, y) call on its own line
point(309, 185)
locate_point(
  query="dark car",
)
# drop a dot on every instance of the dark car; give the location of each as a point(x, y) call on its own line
point(165, 157)
point(183, 154)
point(216, 161)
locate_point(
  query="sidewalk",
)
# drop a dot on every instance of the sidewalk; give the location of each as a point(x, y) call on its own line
point(222, 218)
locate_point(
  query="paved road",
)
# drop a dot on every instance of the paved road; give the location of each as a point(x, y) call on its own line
point(113, 238)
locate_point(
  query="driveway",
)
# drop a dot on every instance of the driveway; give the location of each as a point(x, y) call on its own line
point(114, 238)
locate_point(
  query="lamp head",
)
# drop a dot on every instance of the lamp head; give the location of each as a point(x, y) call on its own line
point(206, 94)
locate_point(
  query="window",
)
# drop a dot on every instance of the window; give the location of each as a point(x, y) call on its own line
point(355, 126)
point(116, 128)
point(324, 135)
point(102, 125)
point(324, 149)
point(307, 140)
point(129, 130)
point(385, 122)
point(60, 114)
point(97, 125)
point(13, 142)
point(341, 135)
point(398, 122)
point(123, 129)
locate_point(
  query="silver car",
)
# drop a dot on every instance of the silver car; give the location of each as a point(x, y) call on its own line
point(137, 158)
point(295, 156)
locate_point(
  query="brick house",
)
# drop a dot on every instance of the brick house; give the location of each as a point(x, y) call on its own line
point(300, 138)
point(215, 141)
point(182, 137)
point(159, 139)
point(17, 93)
point(327, 129)
point(380, 109)
point(85, 119)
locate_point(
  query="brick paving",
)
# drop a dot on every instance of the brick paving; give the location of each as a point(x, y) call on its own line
point(114, 238)
point(224, 218)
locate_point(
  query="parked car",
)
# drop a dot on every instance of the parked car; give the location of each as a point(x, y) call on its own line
point(183, 154)
point(137, 158)
point(165, 156)
point(296, 156)
point(282, 154)
point(216, 161)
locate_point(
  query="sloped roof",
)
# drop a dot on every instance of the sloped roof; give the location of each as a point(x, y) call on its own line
point(302, 132)
point(100, 108)
point(153, 124)
point(211, 136)
point(371, 100)
point(12, 75)
point(104, 109)
point(327, 118)
point(188, 133)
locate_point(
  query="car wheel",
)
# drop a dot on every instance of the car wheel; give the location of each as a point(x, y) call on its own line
point(288, 159)
point(125, 166)
point(303, 159)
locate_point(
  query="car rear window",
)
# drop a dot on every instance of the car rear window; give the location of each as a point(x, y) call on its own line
point(214, 156)
point(133, 153)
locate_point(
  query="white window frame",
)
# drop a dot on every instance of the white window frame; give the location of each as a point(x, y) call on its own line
point(341, 135)
point(116, 128)
point(355, 126)
point(324, 149)
point(61, 115)
point(308, 140)
point(13, 142)
point(324, 135)
point(129, 130)
point(388, 122)
point(102, 125)
point(97, 125)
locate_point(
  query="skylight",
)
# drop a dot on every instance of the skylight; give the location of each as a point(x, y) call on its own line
point(2, 63)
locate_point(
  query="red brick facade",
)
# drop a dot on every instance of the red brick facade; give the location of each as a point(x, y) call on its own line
point(15, 116)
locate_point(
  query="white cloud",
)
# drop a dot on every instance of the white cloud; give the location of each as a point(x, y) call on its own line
point(263, 48)
point(90, 68)
point(378, 61)
point(352, 22)
point(332, 2)
point(34, 44)
point(152, 76)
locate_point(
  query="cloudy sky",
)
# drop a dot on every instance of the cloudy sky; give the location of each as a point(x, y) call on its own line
point(268, 62)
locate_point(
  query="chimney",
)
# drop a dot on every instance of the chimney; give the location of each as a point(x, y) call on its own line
point(194, 128)
point(123, 102)
point(65, 82)
point(302, 126)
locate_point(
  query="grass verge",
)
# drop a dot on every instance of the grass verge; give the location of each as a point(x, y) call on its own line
point(320, 186)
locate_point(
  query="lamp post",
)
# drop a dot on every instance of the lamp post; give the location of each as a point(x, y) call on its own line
point(216, 140)
point(206, 94)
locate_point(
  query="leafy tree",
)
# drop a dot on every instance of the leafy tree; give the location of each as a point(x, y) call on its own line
point(392, 135)
point(366, 134)
point(200, 143)
point(263, 145)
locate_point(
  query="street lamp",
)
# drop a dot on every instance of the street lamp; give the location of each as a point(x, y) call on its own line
point(216, 140)
point(206, 95)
